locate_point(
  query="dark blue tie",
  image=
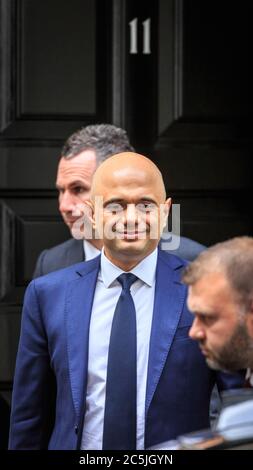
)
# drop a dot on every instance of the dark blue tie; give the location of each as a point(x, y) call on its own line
point(120, 400)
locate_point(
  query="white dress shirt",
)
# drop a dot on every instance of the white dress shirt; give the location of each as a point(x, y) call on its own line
point(107, 292)
point(90, 251)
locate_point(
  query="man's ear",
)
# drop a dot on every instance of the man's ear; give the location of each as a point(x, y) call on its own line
point(95, 219)
point(89, 211)
point(167, 206)
point(82, 228)
point(166, 211)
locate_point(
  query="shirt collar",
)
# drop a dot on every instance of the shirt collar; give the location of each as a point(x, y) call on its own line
point(145, 270)
point(90, 251)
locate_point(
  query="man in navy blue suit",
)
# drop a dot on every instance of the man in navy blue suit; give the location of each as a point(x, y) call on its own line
point(81, 154)
point(61, 381)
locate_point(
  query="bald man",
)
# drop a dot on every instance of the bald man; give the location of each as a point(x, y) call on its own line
point(81, 154)
point(104, 346)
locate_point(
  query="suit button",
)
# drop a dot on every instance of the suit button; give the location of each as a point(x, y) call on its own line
point(76, 429)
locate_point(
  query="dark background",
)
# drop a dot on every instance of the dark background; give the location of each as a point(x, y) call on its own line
point(187, 105)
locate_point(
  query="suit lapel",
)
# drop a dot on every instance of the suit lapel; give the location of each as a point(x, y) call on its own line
point(79, 300)
point(168, 305)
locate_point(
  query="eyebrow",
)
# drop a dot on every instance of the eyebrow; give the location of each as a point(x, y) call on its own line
point(74, 183)
point(204, 314)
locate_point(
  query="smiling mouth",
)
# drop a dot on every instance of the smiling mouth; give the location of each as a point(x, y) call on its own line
point(130, 234)
point(70, 220)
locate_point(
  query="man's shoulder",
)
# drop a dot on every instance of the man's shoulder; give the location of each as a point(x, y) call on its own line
point(63, 247)
point(183, 247)
point(170, 260)
point(59, 256)
point(66, 275)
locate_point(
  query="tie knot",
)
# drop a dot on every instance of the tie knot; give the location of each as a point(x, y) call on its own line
point(126, 280)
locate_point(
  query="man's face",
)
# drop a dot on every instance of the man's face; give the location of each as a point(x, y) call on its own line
point(74, 178)
point(219, 326)
point(130, 214)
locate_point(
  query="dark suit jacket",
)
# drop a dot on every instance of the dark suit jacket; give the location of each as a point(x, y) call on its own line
point(4, 423)
point(71, 252)
point(54, 344)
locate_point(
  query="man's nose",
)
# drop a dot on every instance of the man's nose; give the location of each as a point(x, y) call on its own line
point(66, 202)
point(131, 215)
point(196, 332)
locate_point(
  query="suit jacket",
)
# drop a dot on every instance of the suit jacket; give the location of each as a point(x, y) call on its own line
point(5, 421)
point(71, 252)
point(53, 349)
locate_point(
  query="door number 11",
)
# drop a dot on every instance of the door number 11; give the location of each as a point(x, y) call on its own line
point(134, 36)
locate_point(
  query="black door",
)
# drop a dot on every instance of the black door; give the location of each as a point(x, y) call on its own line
point(174, 73)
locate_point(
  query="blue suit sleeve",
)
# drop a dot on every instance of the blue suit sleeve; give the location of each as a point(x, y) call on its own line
point(33, 390)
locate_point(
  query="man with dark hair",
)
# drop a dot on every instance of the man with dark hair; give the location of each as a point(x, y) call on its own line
point(104, 139)
point(221, 298)
point(82, 153)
